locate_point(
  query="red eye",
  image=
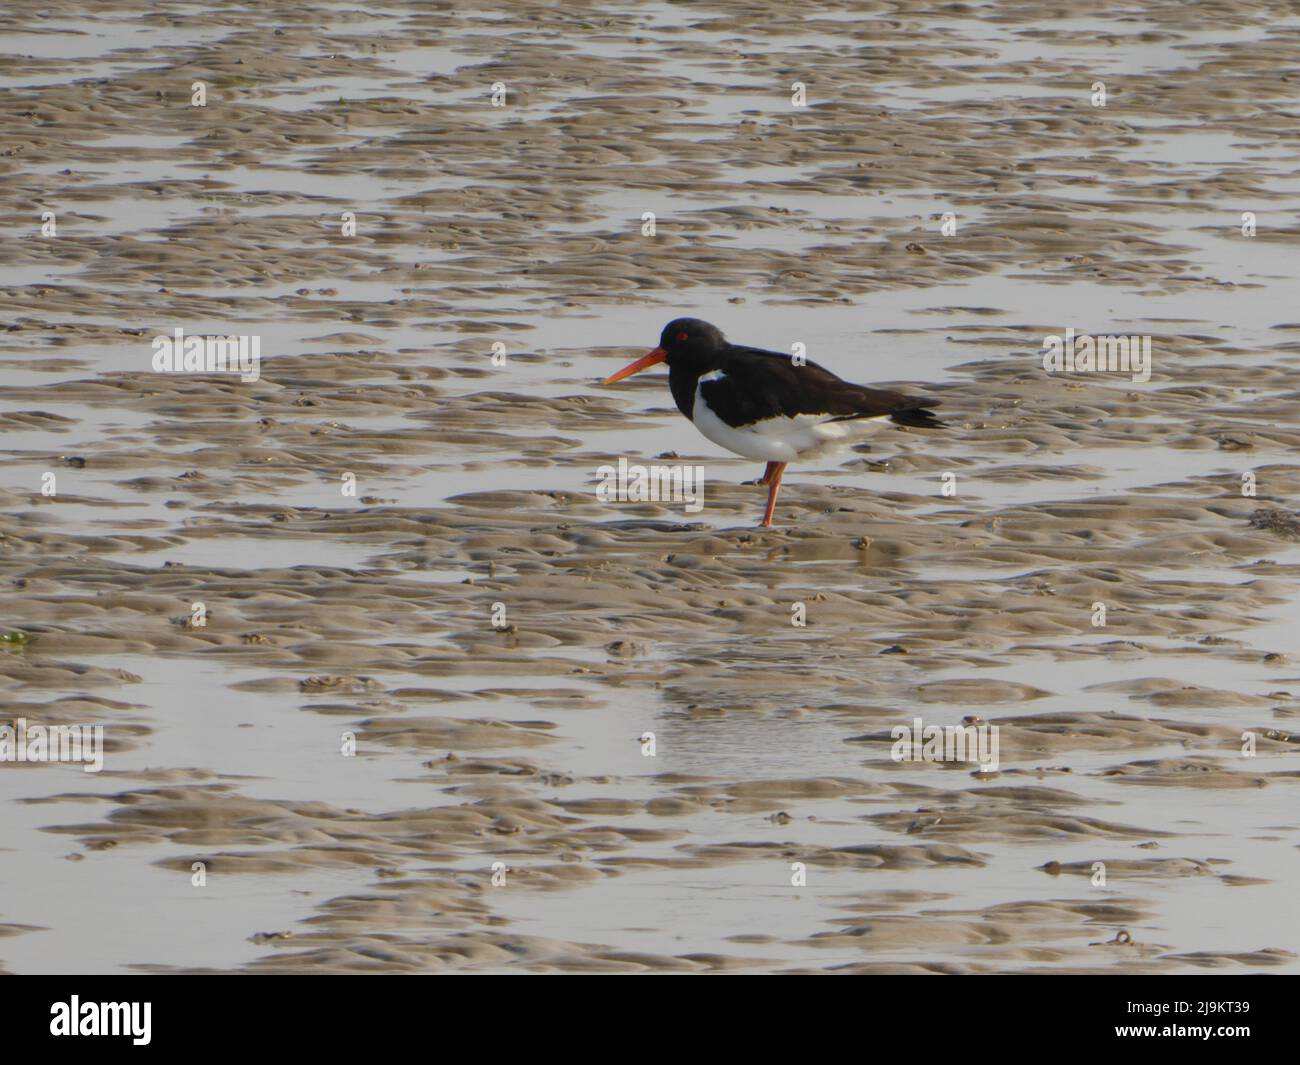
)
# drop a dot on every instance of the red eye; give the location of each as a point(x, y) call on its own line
point(682, 338)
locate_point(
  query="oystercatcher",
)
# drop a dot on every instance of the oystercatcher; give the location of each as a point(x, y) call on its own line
point(763, 405)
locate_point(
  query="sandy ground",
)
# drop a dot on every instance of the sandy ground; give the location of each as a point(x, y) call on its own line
point(517, 744)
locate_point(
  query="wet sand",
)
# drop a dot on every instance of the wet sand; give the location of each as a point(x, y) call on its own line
point(516, 746)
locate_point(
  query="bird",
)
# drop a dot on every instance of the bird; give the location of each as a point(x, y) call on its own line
point(768, 405)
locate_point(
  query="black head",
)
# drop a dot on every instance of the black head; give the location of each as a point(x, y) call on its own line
point(686, 344)
point(689, 340)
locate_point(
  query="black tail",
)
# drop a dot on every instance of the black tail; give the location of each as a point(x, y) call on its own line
point(919, 416)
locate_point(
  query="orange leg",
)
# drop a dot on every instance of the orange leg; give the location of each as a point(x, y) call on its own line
point(767, 473)
point(773, 486)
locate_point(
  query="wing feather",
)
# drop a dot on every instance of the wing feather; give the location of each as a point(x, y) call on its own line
point(758, 384)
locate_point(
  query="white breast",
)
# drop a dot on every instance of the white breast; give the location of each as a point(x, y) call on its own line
point(780, 439)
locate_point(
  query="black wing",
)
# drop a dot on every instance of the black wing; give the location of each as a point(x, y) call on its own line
point(760, 384)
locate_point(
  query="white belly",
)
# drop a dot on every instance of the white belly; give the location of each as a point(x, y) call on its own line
point(805, 436)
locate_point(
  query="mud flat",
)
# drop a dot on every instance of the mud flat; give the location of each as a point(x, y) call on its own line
point(364, 623)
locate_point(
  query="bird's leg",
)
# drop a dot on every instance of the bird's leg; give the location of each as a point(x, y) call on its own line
point(767, 473)
point(773, 486)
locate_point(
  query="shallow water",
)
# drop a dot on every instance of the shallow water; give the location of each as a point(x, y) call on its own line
point(518, 742)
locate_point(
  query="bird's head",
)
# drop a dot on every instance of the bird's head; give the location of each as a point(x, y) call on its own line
point(684, 342)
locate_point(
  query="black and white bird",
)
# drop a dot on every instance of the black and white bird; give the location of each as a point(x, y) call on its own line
point(765, 405)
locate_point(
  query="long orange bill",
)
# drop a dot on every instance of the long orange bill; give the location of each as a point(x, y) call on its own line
point(650, 358)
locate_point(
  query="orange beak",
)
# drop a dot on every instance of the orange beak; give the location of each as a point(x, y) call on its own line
point(650, 358)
